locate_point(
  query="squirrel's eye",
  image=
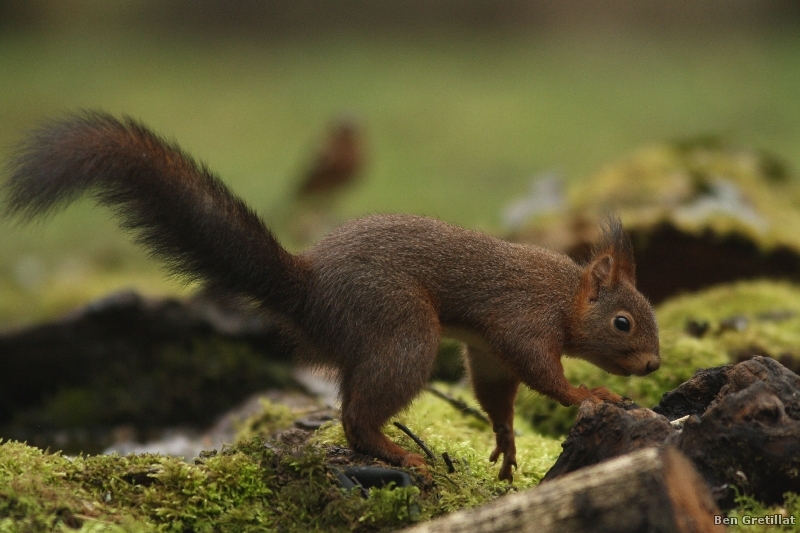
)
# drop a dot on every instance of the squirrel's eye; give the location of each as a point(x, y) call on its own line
point(622, 324)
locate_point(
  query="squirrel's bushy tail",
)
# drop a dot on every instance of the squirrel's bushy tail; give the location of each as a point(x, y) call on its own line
point(178, 209)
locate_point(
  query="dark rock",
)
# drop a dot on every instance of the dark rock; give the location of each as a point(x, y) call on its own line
point(372, 476)
point(783, 382)
point(312, 423)
point(749, 436)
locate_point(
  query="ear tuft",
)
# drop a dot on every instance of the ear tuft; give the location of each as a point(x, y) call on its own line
point(616, 243)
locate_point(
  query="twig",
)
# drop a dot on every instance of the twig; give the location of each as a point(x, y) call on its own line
point(449, 462)
point(416, 439)
point(461, 405)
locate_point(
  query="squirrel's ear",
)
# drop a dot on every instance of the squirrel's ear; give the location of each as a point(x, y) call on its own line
point(617, 244)
point(596, 275)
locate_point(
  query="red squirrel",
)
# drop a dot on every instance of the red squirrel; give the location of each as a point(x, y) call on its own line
point(371, 299)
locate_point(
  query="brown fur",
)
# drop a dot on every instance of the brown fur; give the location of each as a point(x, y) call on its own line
point(371, 299)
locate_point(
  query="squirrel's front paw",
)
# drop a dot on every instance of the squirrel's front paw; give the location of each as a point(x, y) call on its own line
point(606, 395)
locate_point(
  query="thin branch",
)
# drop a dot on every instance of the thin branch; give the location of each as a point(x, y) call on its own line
point(449, 462)
point(461, 405)
point(416, 439)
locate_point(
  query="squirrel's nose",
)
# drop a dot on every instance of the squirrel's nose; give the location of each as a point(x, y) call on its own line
point(653, 364)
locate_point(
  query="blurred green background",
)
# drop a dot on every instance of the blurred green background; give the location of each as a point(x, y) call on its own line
point(462, 103)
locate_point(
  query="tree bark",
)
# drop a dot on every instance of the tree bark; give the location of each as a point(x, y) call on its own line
point(653, 490)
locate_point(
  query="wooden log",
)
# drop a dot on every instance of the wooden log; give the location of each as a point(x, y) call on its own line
point(741, 430)
point(749, 437)
point(654, 490)
point(603, 431)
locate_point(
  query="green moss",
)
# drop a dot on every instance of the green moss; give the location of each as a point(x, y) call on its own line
point(38, 493)
point(253, 486)
point(698, 186)
point(230, 490)
point(272, 417)
point(768, 313)
point(748, 507)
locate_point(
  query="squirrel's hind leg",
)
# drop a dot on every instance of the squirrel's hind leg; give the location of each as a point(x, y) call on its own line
point(496, 389)
point(383, 383)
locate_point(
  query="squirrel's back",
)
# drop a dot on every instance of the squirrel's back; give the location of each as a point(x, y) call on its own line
point(368, 267)
point(445, 257)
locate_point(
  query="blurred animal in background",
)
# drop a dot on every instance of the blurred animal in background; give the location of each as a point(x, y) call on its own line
point(338, 162)
point(336, 165)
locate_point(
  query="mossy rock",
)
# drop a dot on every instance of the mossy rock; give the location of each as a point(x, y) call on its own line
point(143, 362)
point(698, 184)
point(173, 386)
point(699, 212)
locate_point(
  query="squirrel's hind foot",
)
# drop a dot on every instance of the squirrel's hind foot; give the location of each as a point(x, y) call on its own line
point(413, 460)
point(506, 446)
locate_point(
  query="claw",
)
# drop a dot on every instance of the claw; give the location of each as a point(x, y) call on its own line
point(505, 471)
point(602, 394)
point(495, 455)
